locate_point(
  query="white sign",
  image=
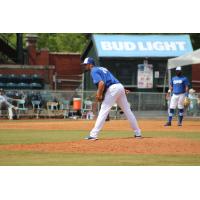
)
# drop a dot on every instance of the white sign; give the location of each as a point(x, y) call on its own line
point(157, 74)
point(145, 76)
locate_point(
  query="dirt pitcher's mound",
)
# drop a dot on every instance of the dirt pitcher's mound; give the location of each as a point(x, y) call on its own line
point(116, 146)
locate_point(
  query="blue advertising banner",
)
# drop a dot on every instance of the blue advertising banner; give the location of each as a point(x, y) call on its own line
point(142, 45)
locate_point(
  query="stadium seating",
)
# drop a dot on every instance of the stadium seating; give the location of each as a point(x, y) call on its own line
point(36, 104)
point(24, 78)
point(13, 78)
point(23, 81)
point(11, 85)
point(64, 105)
point(36, 107)
point(4, 78)
point(87, 109)
point(23, 85)
point(2, 85)
point(52, 108)
point(21, 107)
point(35, 86)
point(35, 78)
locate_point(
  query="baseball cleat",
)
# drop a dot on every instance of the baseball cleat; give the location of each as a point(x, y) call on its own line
point(168, 124)
point(138, 137)
point(179, 124)
point(91, 138)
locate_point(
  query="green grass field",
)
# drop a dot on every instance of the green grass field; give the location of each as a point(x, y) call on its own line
point(32, 158)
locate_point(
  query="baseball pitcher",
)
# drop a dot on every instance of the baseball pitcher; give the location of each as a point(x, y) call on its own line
point(179, 87)
point(114, 92)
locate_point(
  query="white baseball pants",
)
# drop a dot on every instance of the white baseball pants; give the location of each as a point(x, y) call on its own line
point(10, 112)
point(10, 109)
point(115, 94)
point(177, 100)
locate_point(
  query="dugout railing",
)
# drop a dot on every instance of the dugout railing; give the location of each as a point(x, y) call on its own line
point(59, 104)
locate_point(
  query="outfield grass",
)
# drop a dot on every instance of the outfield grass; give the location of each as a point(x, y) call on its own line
point(35, 136)
point(29, 158)
point(20, 158)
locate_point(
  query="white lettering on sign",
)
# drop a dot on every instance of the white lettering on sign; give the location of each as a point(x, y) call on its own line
point(158, 46)
point(143, 46)
point(129, 46)
point(170, 46)
point(117, 46)
point(177, 82)
point(181, 45)
point(106, 46)
point(149, 46)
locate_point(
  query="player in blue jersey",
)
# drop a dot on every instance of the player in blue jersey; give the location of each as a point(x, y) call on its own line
point(109, 91)
point(179, 87)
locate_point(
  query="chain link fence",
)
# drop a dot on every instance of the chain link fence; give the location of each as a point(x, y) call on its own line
point(60, 104)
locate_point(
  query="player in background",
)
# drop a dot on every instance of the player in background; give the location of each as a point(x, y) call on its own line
point(109, 91)
point(179, 87)
point(4, 100)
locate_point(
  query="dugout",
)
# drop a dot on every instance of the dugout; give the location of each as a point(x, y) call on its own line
point(138, 61)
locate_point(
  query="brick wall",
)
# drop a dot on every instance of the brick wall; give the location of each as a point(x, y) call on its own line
point(65, 64)
point(42, 57)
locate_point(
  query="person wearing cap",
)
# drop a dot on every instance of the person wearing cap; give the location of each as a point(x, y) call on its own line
point(193, 107)
point(179, 87)
point(4, 101)
point(109, 91)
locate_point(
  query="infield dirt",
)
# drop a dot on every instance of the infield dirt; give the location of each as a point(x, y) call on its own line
point(130, 145)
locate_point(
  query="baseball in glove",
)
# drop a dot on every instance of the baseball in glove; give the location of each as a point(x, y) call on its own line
point(186, 102)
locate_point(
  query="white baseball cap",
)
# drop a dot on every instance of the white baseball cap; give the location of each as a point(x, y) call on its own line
point(88, 60)
point(178, 68)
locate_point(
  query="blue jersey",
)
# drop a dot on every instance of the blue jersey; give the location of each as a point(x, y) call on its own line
point(102, 74)
point(178, 83)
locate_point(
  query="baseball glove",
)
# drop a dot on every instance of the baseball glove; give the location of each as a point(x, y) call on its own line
point(186, 102)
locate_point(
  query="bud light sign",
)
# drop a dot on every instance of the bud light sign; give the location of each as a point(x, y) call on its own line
point(142, 45)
